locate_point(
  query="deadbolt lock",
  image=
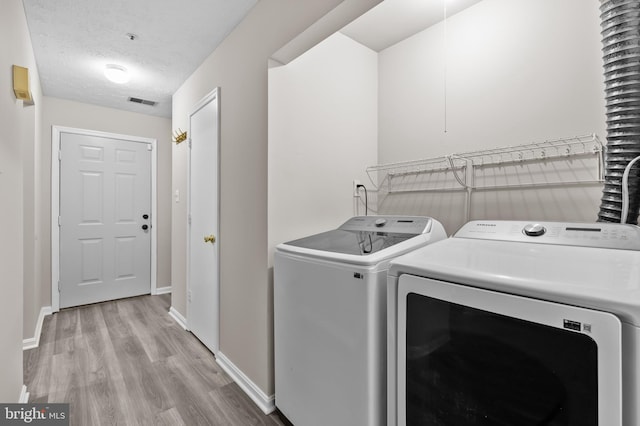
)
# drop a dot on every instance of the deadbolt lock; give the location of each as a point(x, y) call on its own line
point(209, 239)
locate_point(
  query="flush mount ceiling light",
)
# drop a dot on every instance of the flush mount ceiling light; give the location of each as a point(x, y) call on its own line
point(116, 73)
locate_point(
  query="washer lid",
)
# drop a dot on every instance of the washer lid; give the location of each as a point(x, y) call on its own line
point(364, 235)
point(358, 243)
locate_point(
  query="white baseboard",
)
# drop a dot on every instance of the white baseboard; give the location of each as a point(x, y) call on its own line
point(163, 290)
point(182, 321)
point(24, 395)
point(34, 342)
point(267, 403)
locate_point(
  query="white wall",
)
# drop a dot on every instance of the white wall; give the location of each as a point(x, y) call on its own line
point(516, 72)
point(61, 112)
point(322, 135)
point(18, 141)
point(239, 68)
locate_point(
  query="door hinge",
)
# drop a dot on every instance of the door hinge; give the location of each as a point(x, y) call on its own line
point(149, 147)
point(189, 142)
point(189, 219)
point(58, 286)
point(59, 221)
point(60, 155)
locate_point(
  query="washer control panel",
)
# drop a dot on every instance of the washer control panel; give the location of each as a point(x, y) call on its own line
point(602, 235)
point(389, 224)
point(380, 222)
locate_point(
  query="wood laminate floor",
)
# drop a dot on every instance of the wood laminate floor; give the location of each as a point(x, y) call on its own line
point(127, 362)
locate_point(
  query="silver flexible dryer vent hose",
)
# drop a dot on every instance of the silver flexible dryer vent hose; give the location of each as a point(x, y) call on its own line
point(620, 22)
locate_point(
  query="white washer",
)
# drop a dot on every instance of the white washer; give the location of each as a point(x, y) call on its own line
point(517, 323)
point(329, 318)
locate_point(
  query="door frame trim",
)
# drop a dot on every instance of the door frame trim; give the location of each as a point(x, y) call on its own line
point(56, 134)
point(212, 96)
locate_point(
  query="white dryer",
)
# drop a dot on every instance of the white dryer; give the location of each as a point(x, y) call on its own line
point(517, 323)
point(330, 318)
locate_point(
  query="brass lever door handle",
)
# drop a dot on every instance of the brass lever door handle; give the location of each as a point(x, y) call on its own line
point(210, 239)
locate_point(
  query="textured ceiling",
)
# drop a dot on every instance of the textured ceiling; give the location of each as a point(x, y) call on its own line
point(395, 20)
point(74, 39)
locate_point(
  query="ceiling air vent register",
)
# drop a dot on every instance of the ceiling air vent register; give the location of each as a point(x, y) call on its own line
point(142, 101)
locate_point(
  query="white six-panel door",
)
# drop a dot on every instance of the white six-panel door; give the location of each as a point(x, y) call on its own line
point(203, 255)
point(105, 219)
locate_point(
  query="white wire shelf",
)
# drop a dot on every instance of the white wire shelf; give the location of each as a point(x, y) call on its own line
point(464, 166)
point(572, 161)
point(540, 151)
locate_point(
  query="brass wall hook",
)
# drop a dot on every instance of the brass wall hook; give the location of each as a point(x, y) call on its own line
point(179, 136)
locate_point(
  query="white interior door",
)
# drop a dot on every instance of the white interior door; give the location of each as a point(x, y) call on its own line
point(204, 243)
point(105, 219)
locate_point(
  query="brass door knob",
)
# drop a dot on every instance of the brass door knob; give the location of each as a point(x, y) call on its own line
point(210, 239)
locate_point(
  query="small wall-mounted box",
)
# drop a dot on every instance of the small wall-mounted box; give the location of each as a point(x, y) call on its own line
point(21, 84)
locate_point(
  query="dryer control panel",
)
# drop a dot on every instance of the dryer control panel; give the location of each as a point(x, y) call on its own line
point(600, 235)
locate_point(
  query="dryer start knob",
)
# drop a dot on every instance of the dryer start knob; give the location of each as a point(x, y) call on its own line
point(534, 230)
